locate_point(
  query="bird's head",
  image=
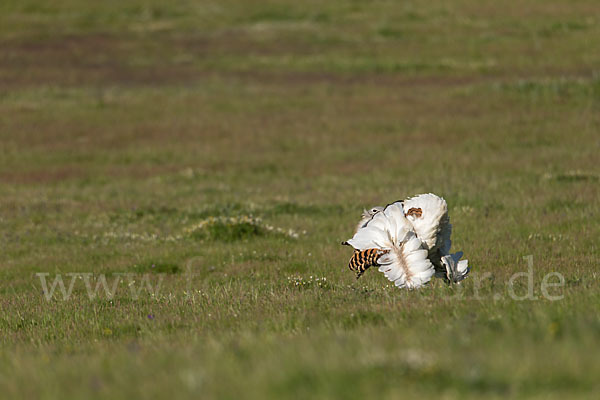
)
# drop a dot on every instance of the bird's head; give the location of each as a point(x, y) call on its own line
point(372, 211)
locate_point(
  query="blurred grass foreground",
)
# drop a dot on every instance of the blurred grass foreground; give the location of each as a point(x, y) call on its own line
point(187, 169)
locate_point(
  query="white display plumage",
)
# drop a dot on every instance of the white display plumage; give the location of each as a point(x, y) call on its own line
point(406, 262)
point(415, 237)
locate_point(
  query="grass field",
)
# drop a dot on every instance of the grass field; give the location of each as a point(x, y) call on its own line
point(219, 152)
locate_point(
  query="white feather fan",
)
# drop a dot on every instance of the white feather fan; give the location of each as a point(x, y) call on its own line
point(428, 214)
point(406, 262)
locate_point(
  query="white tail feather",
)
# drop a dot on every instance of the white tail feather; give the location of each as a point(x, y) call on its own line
point(407, 264)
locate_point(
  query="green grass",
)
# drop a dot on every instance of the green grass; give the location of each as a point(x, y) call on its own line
point(207, 158)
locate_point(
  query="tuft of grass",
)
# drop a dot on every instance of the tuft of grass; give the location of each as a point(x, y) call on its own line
point(305, 209)
point(227, 229)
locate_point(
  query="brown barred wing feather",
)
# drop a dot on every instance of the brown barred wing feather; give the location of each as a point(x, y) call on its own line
point(363, 260)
